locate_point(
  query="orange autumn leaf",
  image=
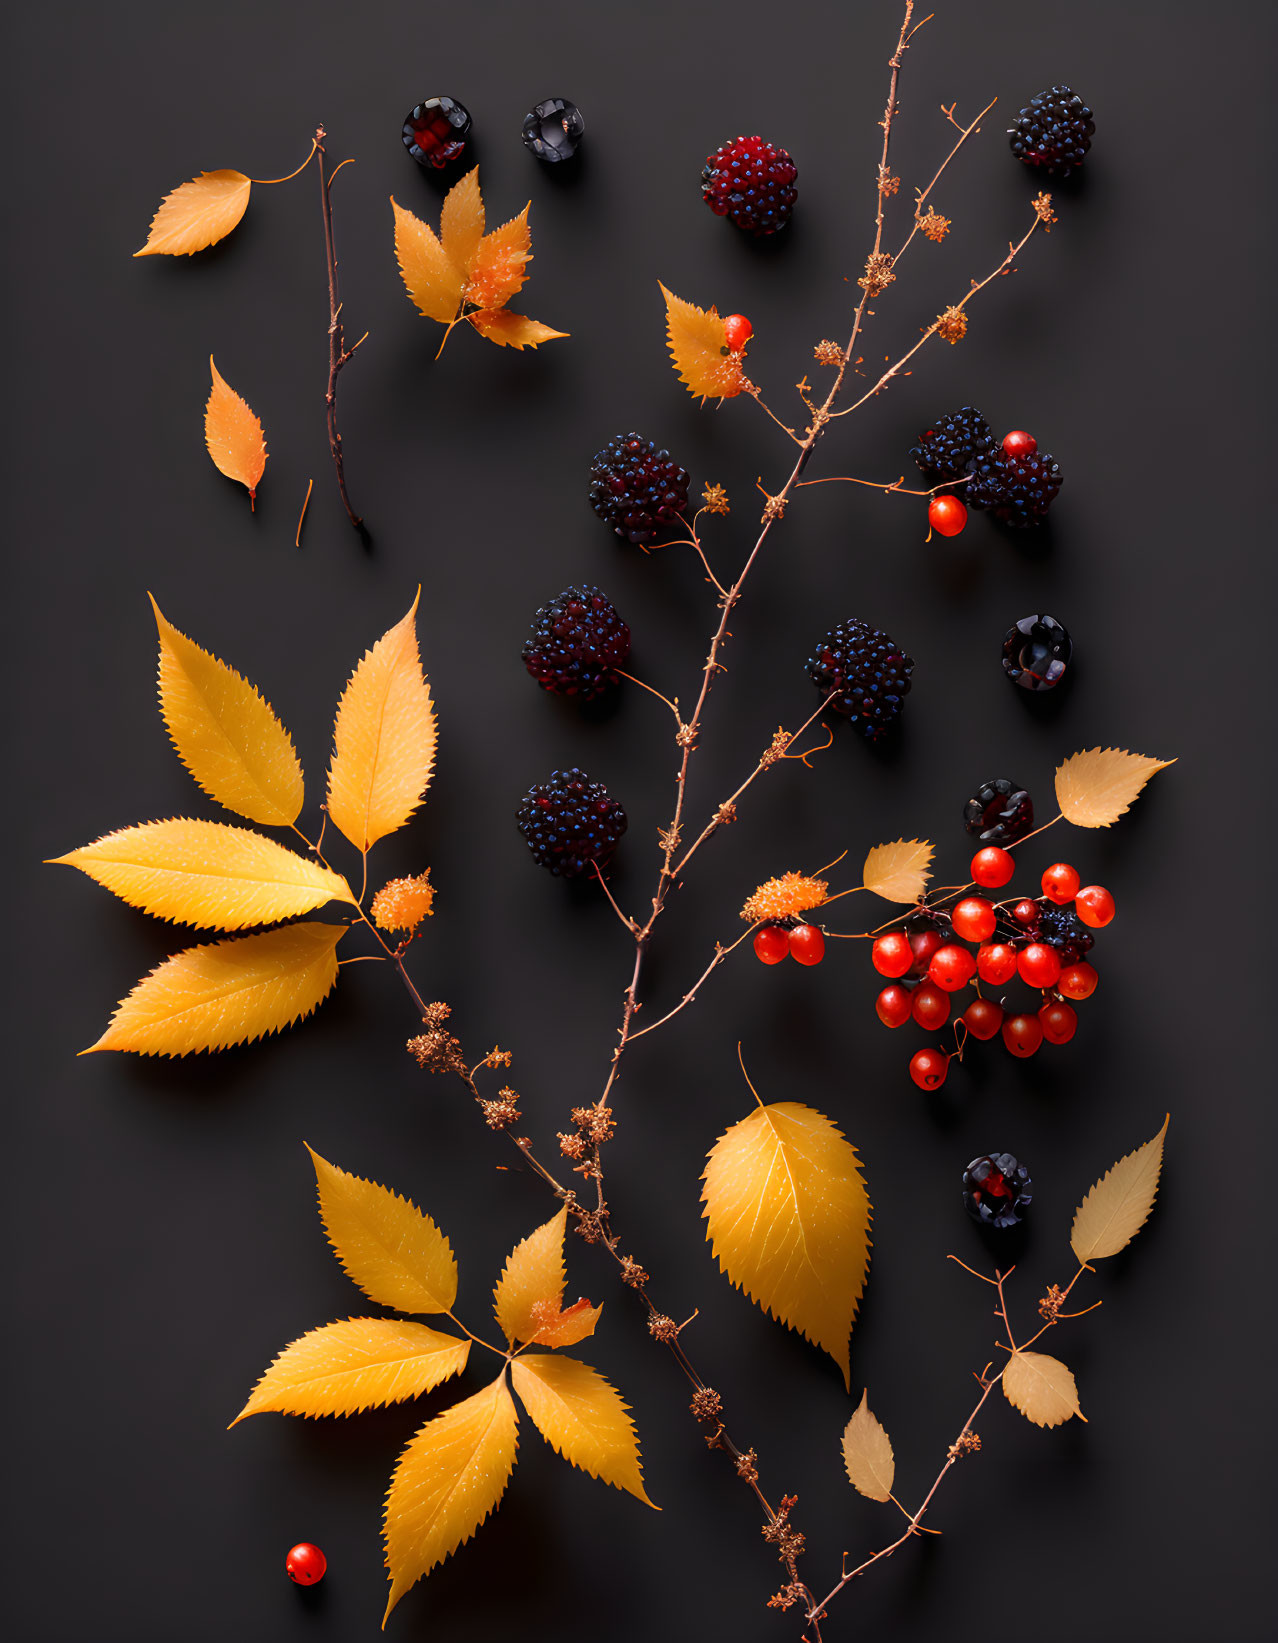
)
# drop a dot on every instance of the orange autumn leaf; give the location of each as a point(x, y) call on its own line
point(509, 330)
point(197, 214)
point(500, 265)
point(234, 435)
point(698, 344)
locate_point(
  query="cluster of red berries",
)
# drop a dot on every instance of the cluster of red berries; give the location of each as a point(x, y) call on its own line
point(804, 942)
point(947, 513)
point(1041, 941)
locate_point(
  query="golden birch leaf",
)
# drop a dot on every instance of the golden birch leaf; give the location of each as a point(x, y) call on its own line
point(229, 992)
point(433, 283)
point(358, 1363)
point(1042, 1388)
point(533, 1276)
point(789, 1220)
point(225, 734)
point(867, 1453)
point(582, 1417)
point(234, 435)
point(197, 214)
point(699, 346)
point(450, 1477)
point(499, 267)
point(208, 874)
point(509, 330)
point(1118, 1206)
point(461, 221)
point(1094, 789)
point(383, 739)
point(395, 1253)
point(900, 871)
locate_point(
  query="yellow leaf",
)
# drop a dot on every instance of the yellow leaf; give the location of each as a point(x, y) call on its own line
point(384, 739)
point(509, 330)
point(1093, 789)
point(867, 1453)
point(450, 1477)
point(499, 268)
point(461, 221)
point(1118, 1206)
point(396, 1255)
point(699, 345)
point(432, 281)
point(582, 1417)
point(208, 874)
point(1041, 1388)
point(234, 435)
point(229, 992)
point(197, 214)
point(358, 1363)
point(225, 734)
point(900, 871)
point(533, 1275)
point(789, 1220)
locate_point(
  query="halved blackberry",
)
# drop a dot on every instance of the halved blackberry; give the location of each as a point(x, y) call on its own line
point(569, 822)
point(435, 132)
point(999, 812)
point(1060, 927)
point(1037, 652)
point(751, 183)
point(1053, 132)
point(997, 1190)
point(636, 489)
point(1016, 489)
point(867, 670)
point(950, 447)
point(577, 643)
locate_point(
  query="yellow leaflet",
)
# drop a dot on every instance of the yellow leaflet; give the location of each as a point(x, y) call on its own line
point(698, 344)
point(1042, 1388)
point(533, 1275)
point(197, 214)
point(899, 871)
point(1118, 1206)
point(461, 221)
point(512, 330)
point(499, 268)
point(867, 1453)
point(234, 435)
point(583, 1417)
point(431, 279)
point(358, 1363)
point(1095, 788)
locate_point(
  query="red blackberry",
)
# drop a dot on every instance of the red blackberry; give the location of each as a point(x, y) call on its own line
point(868, 671)
point(751, 183)
point(637, 489)
point(1053, 132)
point(1017, 489)
point(577, 643)
point(568, 822)
point(999, 812)
point(435, 132)
point(950, 447)
point(997, 1190)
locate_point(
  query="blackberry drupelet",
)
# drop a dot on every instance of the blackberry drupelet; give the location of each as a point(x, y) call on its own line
point(751, 183)
point(1060, 928)
point(999, 812)
point(868, 671)
point(950, 447)
point(577, 643)
point(997, 1190)
point(1053, 132)
point(1016, 489)
point(568, 822)
point(636, 489)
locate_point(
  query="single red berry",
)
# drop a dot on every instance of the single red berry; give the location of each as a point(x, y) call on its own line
point(946, 515)
point(923, 945)
point(771, 943)
point(807, 944)
point(1026, 913)
point(1039, 965)
point(305, 1564)
point(992, 867)
point(1059, 1022)
point(895, 1005)
point(1095, 906)
point(974, 919)
point(983, 1018)
point(738, 330)
point(1022, 1034)
point(928, 1068)
point(930, 1006)
point(952, 967)
point(1019, 443)
point(892, 954)
point(1077, 981)
point(1060, 883)
point(996, 962)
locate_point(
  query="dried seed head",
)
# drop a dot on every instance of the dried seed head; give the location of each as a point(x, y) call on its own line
point(714, 499)
point(403, 903)
point(502, 1112)
point(933, 225)
point(951, 326)
point(828, 353)
point(785, 897)
point(662, 1328)
point(632, 1273)
point(878, 273)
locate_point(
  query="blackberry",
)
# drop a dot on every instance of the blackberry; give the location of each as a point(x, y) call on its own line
point(997, 1190)
point(637, 489)
point(553, 129)
point(869, 672)
point(751, 183)
point(950, 448)
point(1053, 132)
point(1060, 928)
point(435, 132)
point(1036, 652)
point(1018, 489)
point(568, 822)
point(577, 643)
point(999, 812)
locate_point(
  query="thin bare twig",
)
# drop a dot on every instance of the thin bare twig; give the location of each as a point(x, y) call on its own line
point(338, 353)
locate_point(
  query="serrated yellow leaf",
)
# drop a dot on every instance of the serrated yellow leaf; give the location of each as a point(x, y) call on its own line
point(383, 739)
point(432, 281)
point(208, 874)
point(395, 1253)
point(499, 266)
point(229, 992)
point(533, 1276)
point(509, 330)
point(582, 1417)
point(867, 1453)
point(699, 346)
point(461, 221)
point(197, 214)
point(899, 871)
point(1042, 1388)
point(1094, 788)
point(450, 1477)
point(1118, 1206)
point(233, 435)
point(225, 734)
point(357, 1363)
point(789, 1220)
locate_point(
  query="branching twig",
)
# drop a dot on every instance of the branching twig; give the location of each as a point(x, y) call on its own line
point(338, 352)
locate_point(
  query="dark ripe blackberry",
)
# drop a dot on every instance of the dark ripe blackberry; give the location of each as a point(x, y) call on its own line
point(1036, 652)
point(868, 671)
point(637, 489)
point(553, 129)
point(1059, 927)
point(568, 822)
point(435, 132)
point(577, 643)
point(997, 1190)
point(999, 812)
point(751, 183)
point(1053, 132)
point(1016, 489)
point(950, 447)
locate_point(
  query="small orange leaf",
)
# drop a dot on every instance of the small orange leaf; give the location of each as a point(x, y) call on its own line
point(500, 265)
point(698, 343)
point(461, 222)
point(512, 330)
point(434, 285)
point(564, 1326)
point(234, 435)
point(197, 214)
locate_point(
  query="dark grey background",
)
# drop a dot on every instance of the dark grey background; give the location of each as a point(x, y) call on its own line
point(163, 1240)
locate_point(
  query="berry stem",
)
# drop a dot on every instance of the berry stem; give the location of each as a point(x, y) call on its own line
point(338, 352)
